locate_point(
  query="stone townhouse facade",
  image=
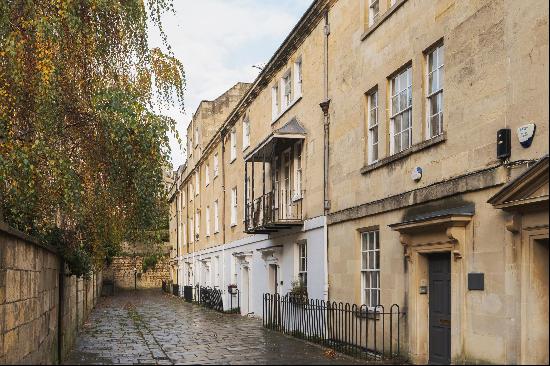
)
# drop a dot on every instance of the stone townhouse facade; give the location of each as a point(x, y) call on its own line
point(264, 233)
point(397, 115)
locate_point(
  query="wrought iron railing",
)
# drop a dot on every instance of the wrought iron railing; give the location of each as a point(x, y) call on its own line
point(280, 207)
point(369, 333)
point(234, 301)
point(212, 298)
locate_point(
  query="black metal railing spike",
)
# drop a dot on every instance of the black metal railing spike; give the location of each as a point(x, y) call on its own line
point(342, 326)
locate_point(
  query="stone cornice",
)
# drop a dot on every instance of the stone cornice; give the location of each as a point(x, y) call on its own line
point(478, 180)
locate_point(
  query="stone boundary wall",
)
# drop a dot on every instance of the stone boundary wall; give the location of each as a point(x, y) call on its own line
point(121, 272)
point(30, 302)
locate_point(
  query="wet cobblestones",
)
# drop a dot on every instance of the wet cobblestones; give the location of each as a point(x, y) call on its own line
point(152, 328)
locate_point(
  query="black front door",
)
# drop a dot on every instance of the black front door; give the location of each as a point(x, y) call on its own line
point(440, 308)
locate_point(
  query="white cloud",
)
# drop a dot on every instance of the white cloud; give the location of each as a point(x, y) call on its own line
point(218, 41)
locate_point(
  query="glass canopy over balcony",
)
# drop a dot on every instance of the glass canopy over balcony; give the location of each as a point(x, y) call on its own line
point(273, 181)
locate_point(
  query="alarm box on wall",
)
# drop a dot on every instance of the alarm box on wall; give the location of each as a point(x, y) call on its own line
point(504, 143)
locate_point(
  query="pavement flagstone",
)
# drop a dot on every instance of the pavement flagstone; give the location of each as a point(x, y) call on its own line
point(152, 328)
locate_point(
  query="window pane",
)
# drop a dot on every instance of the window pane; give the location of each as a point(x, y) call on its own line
point(397, 143)
point(435, 125)
point(406, 120)
point(371, 241)
point(364, 242)
point(434, 105)
point(441, 108)
point(398, 128)
point(405, 140)
point(377, 255)
point(373, 120)
point(371, 260)
point(403, 101)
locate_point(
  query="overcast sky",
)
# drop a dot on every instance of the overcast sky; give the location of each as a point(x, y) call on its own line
point(219, 41)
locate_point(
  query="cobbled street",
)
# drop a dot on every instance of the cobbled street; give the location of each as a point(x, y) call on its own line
point(150, 327)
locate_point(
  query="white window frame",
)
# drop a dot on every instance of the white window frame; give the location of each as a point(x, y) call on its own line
point(374, 11)
point(246, 133)
point(435, 74)
point(208, 221)
point(275, 105)
point(216, 217)
point(197, 182)
point(233, 137)
point(298, 170)
point(234, 207)
point(207, 175)
point(286, 90)
point(216, 165)
point(370, 269)
point(302, 263)
point(298, 78)
point(197, 223)
point(373, 126)
point(401, 90)
point(191, 191)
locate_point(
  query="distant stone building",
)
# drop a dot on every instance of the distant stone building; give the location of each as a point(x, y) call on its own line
point(391, 152)
point(127, 271)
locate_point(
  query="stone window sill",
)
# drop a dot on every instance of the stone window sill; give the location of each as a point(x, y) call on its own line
point(403, 154)
point(382, 19)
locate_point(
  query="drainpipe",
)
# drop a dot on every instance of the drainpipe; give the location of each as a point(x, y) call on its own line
point(222, 137)
point(223, 188)
point(325, 105)
point(223, 209)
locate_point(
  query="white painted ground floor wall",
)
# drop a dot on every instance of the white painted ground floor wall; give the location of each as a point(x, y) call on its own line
point(252, 264)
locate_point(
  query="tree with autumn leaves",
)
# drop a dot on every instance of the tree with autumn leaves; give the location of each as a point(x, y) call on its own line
point(82, 148)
